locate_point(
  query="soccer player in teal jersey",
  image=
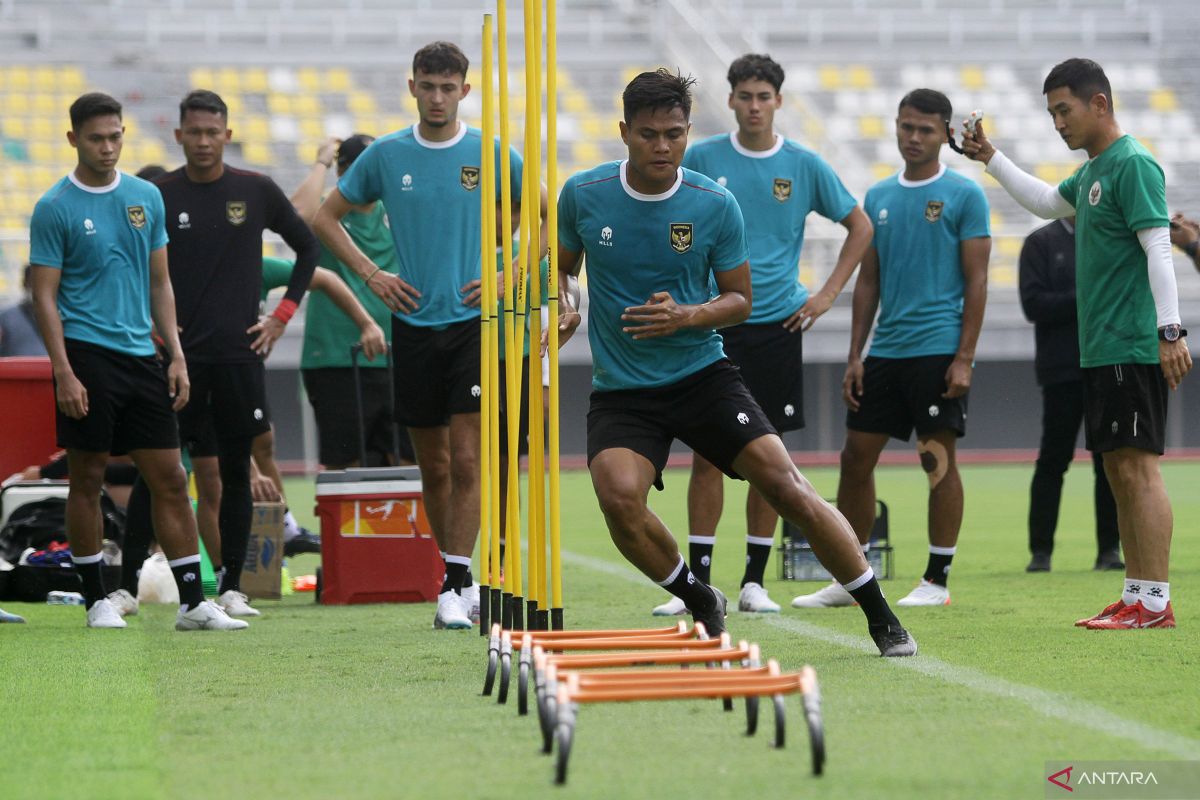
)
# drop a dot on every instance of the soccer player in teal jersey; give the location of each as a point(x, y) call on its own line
point(1132, 348)
point(428, 179)
point(926, 273)
point(98, 245)
point(777, 183)
point(656, 235)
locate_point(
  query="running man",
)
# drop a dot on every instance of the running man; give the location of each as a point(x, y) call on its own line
point(1132, 347)
point(926, 273)
point(655, 235)
point(99, 253)
point(216, 215)
point(777, 183)
point(427, 177)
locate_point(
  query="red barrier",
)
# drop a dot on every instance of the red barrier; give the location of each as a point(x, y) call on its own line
point(26, 413)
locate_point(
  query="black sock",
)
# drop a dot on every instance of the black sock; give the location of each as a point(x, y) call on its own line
point(187, 577)
point(456, 575)
point(502, 543)
point(870, 599)
point(694, 592)
point(938, 569)
point(468, 579)
point(756, 561)
point(90, 569)
point(237, 508)
point(700, 550)
point(139, 530)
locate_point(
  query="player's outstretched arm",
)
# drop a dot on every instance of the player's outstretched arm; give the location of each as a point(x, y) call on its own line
point(858, 239)
point(162, 310)
point(391, 289)
point(1034, 194)
point(70, 394)
point(974, 254)
point(373, 341)
point(1173, 356)
point(864, 304)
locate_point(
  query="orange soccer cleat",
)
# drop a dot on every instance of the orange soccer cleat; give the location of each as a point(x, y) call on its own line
point(1135, 616)
point(1105, 614)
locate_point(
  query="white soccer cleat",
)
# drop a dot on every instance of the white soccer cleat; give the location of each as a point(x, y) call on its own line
point(753, 598)
point(926, 594)
point(672, 608)
point(470, 594)
point(453, 612)
point(103, 614)
point(125, 603)
point(208, 616)
point(832, 596)
point(236, 604)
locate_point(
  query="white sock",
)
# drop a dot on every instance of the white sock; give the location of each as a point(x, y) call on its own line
point(1155, 595)
point(1132, 592)
point(290, 529)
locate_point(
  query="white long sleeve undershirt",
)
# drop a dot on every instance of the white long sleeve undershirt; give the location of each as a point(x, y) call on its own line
point(1034, 194)
point(1156, 242)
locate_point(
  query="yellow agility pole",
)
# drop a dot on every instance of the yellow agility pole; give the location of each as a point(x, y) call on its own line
point(496, 601)
point(537, 470)
point(552, 289)
point(512, 500)
point(487, 164)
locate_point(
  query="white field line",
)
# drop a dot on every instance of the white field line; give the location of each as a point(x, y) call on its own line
point(1045, 702)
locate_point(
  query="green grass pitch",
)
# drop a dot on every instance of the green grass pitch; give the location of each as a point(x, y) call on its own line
point(370, 702)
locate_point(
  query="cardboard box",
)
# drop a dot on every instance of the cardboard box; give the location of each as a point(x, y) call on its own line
point(262, 569)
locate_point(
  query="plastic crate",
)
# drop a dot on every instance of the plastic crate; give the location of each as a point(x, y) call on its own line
point(797, 562)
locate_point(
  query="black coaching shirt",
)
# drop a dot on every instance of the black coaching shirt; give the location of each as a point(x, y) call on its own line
point(216, 253)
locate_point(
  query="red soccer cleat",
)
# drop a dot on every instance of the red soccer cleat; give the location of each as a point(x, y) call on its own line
point(1105, 614)
point(1135, 616)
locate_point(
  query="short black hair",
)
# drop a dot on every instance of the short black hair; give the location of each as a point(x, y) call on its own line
point(352, 147)
point(1084, 77)
point(928, 101)
point(93, 104)
point(755, 67)
point(658, 90)
point(150, 172)
point(203, 100)
point(441, 58)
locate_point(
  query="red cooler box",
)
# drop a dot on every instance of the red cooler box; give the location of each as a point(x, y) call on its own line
point(27, 411)
point(376, 543)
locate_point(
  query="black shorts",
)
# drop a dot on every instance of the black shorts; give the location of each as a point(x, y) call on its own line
point(229, 401)
point(331, 394)
point(771, 361)
point(711, 411)
point(523, 436)
point(903, 394)
point(129, 403)
point(1125, 405)
point(437, 372)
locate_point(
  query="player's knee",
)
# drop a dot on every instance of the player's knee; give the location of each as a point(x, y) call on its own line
point(935, 460)
point(464, 469)
point(788, 493)
point(169, 483)
point(620, 503)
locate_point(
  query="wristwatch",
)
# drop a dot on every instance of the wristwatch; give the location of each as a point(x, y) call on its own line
point(1171, 333)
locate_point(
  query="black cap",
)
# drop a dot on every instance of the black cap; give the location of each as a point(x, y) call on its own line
point(351, 148)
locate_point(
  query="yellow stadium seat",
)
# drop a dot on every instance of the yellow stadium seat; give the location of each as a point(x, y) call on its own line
point(154, 152)
point(254, 80)
point(1003, 276)
point(19, 79)
point(1009, 246)
point(45, 129)
point(41, 178)
point(361, 103)
point(1163, 100)
point(17, 104)
point(338, 80)
point(202, 78)
point(306, 104)
point(1148, 144)
point(233, 101)
point(259, 155)
point(972, 78)
point(995, 220)
point(229, 80)
point(45, 79)
point(41, 152)
point(70, 80)
point(592, 128)
point(880, 171)
point(576, 103)
point(255, 129)
point(870, 127)
point(860, 77)
point(308, 80)
point(585, 152)
point(279, 104)
point(830, 78)
point(65, 154)
point(312, 129)
point(394, 122)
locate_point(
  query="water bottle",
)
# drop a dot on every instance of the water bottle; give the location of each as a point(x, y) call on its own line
point(64, 599)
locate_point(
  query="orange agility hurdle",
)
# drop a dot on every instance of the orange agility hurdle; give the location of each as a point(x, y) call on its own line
point(578, 688)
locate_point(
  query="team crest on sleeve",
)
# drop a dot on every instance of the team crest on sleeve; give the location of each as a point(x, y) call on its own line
point(933, 210)
point(469, 178)
point(137, 216)
point(235, 212)
point(782, 190)
point(681, 236)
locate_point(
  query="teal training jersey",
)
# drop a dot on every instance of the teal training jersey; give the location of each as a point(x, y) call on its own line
point(776, 189)
point(1116, 194)
point(919, 228)
point(544, 271)
point(101, 239)
point(430, 191)
point(637, 245)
